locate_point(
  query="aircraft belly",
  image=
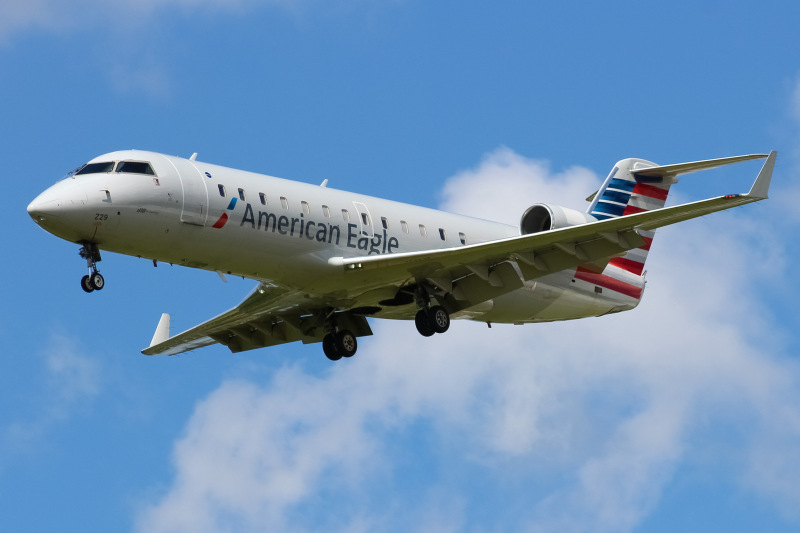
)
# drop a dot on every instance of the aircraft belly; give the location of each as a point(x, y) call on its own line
point(544, 302)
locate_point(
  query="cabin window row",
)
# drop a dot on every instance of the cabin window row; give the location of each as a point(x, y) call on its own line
point(326, 212)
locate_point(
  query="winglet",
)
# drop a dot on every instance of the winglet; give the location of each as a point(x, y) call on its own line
point(760, 187)
point(162, 330)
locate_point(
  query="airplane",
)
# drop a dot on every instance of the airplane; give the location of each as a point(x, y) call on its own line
point(327, 259)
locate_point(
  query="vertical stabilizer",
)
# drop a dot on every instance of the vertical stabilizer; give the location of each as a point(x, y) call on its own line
point(626, 193)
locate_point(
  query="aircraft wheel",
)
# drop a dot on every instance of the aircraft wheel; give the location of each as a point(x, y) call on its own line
point(346, 343)
point(86, 283)
point(423, 323)
point(97, 282)
point(439, 319)
point(329, 347)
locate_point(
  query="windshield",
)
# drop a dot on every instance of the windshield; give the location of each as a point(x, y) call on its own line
point(135, 167)
point(126, 167)
point(96, 168)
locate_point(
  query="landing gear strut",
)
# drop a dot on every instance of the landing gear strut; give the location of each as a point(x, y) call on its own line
point(94, 280)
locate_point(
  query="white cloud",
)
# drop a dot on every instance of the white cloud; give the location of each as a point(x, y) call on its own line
point(505, 184)
point(578, 425)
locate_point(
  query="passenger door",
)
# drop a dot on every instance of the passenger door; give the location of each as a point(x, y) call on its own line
point(195, 193)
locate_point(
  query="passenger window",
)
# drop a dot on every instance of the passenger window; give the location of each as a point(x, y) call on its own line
point(284, 202)
point(346, 215)
point(306, 208)
point(241, 194)
point(221, 188)
point(96, 168)
point(422, 230)
point(135, 167)
point(385, 223)
point(326, 211)
point(263, 198)
point(365, 219)
point(442, 234)
point(404, 226)
point(463, 238)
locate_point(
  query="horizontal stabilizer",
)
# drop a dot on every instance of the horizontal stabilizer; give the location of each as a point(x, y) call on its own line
point(695, 166)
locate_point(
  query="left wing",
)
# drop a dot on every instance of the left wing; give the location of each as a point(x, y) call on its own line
point(269, 316)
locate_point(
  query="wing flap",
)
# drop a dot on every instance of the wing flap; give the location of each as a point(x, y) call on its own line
point(269, 316)
point(263, 319)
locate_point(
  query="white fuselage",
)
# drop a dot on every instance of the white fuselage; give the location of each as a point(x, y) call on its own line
point(284, 232)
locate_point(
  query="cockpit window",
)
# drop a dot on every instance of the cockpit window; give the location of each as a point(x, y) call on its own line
point(135, 167)
point(96, 168)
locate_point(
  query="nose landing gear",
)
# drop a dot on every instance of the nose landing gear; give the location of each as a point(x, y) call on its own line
point(94, 280)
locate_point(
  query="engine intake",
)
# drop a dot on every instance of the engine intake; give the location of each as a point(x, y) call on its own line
point(544, 217)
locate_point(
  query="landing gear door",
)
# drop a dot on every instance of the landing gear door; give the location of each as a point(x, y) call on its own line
point(365, 225)
point(195, 194)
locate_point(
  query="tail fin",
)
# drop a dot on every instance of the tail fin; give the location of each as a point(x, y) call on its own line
point(623, 194)
point(636, 185)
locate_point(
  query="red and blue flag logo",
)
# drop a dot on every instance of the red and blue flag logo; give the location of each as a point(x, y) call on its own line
point(223, 219)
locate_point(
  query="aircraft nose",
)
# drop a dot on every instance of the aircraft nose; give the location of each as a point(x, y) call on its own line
point(39, 207)
point(61, 210)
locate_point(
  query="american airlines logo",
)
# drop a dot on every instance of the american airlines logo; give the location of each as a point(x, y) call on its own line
point(223, 219)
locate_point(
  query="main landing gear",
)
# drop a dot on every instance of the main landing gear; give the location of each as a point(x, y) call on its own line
point(435, 319)
point(430, 319)
point(94, 280)
point(338, 342)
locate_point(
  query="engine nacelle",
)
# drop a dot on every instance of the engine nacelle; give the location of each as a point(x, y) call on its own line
point(544, 217)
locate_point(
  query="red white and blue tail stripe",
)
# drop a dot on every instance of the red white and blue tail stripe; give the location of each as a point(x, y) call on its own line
point(625, 193)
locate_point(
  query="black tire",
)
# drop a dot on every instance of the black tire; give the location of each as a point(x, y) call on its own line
point(86, 284)
point(97, 282)
point(346, 343)
point(329, 347)
point(423, 323)
point(439, 319)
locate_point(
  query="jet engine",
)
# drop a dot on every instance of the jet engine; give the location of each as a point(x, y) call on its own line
point(544, 217)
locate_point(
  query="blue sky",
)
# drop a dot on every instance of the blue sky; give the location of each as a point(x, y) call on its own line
point(680, 415)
